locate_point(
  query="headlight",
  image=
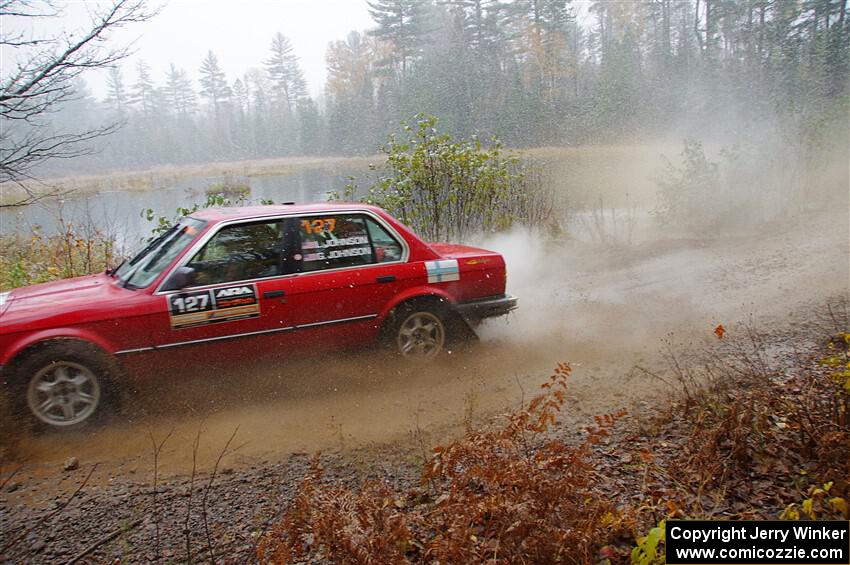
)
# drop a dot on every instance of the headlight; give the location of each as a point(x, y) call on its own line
point(5, 299)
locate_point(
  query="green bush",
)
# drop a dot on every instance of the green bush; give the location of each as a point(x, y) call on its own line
point(685, 190)
point(446, 189)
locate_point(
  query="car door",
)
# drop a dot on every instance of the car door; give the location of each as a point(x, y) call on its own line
point(351, 264)
point(236, 306)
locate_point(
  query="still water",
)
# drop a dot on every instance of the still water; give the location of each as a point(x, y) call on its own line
point(118, 212)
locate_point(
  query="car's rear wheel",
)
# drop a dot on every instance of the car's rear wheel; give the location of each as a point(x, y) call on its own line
point(420, 334)
point(63, 385)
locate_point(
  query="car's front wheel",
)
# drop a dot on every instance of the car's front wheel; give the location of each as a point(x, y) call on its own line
point(63, 385)
point(420, 334)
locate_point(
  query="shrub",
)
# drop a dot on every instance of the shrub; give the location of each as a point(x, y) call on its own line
point(86, 246)
point(72, 251)
point(447, 189)
point(228, 188)
point(685, 191)
point(751, 433)
point(770, 173)
point(517, 495)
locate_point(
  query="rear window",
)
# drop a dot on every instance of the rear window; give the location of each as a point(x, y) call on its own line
point(385, 246)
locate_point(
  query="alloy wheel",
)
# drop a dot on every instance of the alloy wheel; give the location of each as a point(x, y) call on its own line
point(421, 336)
point(63, 393)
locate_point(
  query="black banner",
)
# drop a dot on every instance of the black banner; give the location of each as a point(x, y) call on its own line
point(694, 542)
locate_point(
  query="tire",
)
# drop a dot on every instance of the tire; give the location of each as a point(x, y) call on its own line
point(419, 334)
point(63, 386)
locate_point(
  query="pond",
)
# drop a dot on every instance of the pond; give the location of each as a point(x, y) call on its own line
point(119, 212)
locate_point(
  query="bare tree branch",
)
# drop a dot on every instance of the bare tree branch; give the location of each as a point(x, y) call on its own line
point(29, 8)
point(43, 80)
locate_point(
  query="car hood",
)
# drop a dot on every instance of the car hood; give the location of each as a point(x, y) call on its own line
point(40, 300)
point(58, 290)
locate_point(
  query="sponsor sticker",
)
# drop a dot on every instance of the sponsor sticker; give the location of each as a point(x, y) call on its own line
point(214, 305)
point(442, 271)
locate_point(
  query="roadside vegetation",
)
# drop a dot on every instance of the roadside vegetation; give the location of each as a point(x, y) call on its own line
point(74, 250)
point(90, 246)
point(747, 434)
point(447, 189)
point(753, 180)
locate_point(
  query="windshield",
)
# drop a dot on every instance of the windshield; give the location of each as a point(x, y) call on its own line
point(144, 268)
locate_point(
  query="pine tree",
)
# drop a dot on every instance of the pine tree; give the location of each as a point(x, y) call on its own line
point(144, 94)
point(240, 96)
point(258, 85)
point(240, 109)
point(309, 127)
point(285, 73)
point(214, 84)
point(116, 94)
point(401, 23)
point(178, 92)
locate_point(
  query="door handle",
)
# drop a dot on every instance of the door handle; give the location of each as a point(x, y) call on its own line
point(272, 293)
point(386, 279)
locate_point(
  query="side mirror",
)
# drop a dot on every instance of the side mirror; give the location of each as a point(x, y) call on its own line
point(181, 278)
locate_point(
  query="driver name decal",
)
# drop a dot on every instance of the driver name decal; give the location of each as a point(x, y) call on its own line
point(196, 308)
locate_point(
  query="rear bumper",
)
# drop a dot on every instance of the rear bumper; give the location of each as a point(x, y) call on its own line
point(489, 307)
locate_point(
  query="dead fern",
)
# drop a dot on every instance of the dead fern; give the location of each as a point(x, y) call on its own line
point(508, 495)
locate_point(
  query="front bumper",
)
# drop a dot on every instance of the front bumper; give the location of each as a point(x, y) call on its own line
point(489, 307)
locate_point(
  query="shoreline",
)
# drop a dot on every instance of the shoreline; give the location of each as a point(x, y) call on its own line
point(163, 176)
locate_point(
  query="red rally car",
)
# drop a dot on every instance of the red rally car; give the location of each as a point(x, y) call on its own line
point(235, 283)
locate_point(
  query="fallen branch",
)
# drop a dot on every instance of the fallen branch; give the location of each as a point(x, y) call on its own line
point(105, 539)
point(9, 478)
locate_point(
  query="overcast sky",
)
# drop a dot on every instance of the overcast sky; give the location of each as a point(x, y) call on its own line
point(239, 32)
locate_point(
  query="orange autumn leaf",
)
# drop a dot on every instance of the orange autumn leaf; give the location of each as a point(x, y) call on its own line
point(720, 331)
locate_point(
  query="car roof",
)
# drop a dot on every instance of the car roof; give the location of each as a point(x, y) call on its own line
point(246, 212)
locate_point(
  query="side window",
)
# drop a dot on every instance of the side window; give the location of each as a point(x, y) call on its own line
point(386, 247)
point(240, 252)
point(334, 241)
